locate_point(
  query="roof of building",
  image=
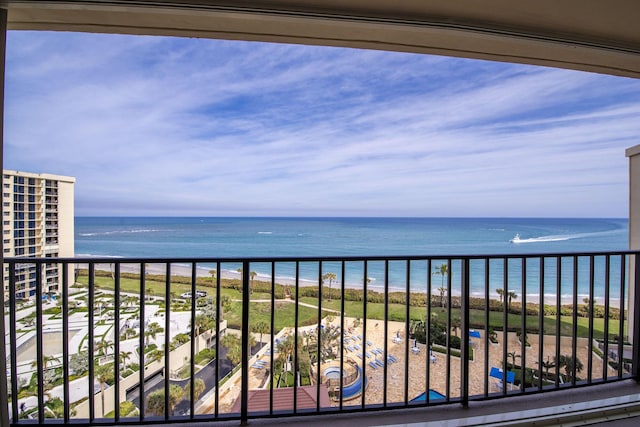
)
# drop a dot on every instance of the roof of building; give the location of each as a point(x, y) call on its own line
point(259, 400)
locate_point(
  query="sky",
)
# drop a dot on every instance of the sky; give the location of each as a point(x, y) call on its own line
point(161, 126)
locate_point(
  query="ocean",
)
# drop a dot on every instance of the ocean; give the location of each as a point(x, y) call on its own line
point(156, 237)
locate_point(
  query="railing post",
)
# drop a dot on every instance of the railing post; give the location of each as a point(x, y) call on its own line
point(636, 317)
point(4, 391)
point(244, 390)
point(464, 342)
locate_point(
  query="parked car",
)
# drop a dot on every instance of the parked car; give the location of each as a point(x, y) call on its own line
point(199, 294)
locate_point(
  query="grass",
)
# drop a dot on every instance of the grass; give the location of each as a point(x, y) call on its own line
point(285, 312)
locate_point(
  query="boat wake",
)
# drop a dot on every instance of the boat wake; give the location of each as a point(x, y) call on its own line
point(559, 237)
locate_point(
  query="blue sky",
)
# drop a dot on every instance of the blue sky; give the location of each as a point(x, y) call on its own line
point(169, 126)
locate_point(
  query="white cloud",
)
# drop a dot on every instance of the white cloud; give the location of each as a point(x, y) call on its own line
point(153, 126)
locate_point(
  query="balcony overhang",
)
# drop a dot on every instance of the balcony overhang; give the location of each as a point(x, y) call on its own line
point(583, 35)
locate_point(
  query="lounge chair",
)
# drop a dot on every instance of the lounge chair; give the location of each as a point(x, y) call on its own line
point(379, 363)
point(373, 365)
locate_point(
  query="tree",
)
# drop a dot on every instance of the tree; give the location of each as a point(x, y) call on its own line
point(239, 270)
point(330, 277)
point(154, 355)
point(286, 350)
point(513, 355)
point(548, 364)
point(203, 323)
point(260, 327)
point(124, 357)
point(568, 362)
point(252, 276)
point(442, 291)
point(198, 388)
point(225, 303)
point(213, 274)
point(155, 401)
point(79, 363)
point(46, 361)
point(511, 295)
point(234, 348)
point(456, 324)
point(103, 346)
point(500, 293)
point(103, 374)
point(151, 331)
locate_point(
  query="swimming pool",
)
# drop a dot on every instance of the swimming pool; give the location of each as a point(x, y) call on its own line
point(433, 395)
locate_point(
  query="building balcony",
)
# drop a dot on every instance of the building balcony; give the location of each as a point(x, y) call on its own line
point(297, 337)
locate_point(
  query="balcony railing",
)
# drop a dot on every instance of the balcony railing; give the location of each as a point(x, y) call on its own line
point(124, 341)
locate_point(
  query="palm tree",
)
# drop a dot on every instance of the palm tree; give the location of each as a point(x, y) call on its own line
point(203, 323)
point(260, 327)
point(513, 355)
point(442, 270)
point(511, 295)
point(103, 346)
point(155, 355)
point(198, 388)
point(568, 363)
point(239, 270)
point(234, 348)
point(213, 274)
point(225, 303)
point(500, 293)
point(155, 401)
point(286, 349)
point(152, 330)
point(547, 365)
point(124, 357)
point(252, 276)
point(103, 374)
point(330, 277)
point(456, 323)
point(46, 360)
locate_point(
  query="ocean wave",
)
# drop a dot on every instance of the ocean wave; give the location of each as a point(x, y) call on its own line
point(107, 233)
point(97, 256)
point(265, 232)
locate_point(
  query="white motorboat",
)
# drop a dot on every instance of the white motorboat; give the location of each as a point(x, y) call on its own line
point(516, 239)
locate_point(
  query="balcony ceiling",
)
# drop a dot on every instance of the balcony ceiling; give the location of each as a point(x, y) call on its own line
point(588, 35)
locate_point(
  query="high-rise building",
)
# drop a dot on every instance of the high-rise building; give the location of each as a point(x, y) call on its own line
point(37, 222)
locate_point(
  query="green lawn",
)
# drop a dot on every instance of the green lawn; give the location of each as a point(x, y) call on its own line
point(284, 313)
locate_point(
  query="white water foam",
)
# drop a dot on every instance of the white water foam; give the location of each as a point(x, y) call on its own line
point(106, 233)
point(563, 237)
